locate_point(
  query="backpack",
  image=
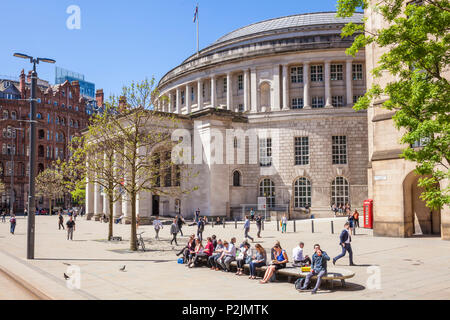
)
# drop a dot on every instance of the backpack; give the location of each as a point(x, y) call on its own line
point(298, 284)
point(180, 260)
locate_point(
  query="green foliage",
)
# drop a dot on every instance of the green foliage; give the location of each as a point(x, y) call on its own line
point(418, 42)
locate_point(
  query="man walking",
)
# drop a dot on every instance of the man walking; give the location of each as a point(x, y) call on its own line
point(70, 228)
point(247, 229)
point(197, 214)
point(180, 222)
point(252, 214)
point(345, 238)
point(200, 229)
point(174, 231)
point(12, 220)
point(157, 225)
point(60, 221)
point(3, 216)
point(259, 225)
point(319, 268)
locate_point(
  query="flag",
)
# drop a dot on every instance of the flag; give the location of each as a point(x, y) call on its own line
point(196, 14)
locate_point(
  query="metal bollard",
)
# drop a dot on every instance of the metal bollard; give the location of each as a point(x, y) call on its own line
point(312, 226)
point(354, 231)
point(223, 222)
point(212, 224)
point(262, 225)
point(295, 230)
point(278, 224)
point(235, 223)
point(332, 227)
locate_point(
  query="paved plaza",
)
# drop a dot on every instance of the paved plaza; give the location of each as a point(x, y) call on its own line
point(412, 268)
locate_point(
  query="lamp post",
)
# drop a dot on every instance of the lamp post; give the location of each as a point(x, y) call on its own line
point(31, 192)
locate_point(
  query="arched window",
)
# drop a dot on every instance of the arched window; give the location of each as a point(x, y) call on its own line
point(236, 178)
point(40, 168)
point(302, 193)
point(41, 134)
point(5, 114)
point(339, 191)
point(267, 189)
point(13, 115)
point(41, 151)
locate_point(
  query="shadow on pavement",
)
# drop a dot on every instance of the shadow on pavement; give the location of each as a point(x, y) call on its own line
point(104, 260)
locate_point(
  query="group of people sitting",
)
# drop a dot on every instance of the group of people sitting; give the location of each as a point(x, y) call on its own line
point(219, 254)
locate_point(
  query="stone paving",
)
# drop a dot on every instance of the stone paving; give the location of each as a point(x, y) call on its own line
point(413, 268)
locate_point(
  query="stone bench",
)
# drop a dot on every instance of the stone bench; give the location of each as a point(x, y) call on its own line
point(293, 273)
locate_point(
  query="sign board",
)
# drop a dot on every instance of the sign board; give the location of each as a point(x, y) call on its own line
point(261, 203)
point(378, 178)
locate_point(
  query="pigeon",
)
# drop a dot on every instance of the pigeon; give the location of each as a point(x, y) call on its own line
point(67, 264)
point(123, 268)
point(66, 276)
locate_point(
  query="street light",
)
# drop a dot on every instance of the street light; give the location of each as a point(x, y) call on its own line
point(31, 196)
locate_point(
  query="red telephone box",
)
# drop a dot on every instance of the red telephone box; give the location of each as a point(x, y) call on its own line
point(368, 214)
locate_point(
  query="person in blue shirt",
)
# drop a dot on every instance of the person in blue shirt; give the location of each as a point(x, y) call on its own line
point(200, 228)
point(280, 261)
point(318, 267)
point(247, 229)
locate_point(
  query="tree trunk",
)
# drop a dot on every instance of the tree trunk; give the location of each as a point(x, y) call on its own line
point(50, 210)
point(111, 215)
point(133, 237)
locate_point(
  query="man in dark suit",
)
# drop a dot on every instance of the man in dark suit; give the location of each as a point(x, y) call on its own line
point(345, 238)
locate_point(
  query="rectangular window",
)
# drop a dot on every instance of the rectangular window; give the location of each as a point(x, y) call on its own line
point(240, 82)
point(182, 97)
point(337, 101)
point(192, 93)
point(241, 107)
point(203, 90)
point(317, 102)
point(337, 72)
point(301, 146)
point(297, 103)
point(339, 149)
point(265, 152)
point(356, 98)
point(357, 71)
point(225, 85)
point(317, 73)
point(296, 74)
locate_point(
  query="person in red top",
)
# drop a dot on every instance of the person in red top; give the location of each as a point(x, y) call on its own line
point(209, 248)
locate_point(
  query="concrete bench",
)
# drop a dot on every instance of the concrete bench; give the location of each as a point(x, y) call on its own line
point(293, 273)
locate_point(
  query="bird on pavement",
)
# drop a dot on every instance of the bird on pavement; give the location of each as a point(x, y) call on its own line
point(67, 264)
point(66, 276)
point(123, 268)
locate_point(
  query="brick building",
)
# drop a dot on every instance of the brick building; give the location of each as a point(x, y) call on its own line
point(61, 113)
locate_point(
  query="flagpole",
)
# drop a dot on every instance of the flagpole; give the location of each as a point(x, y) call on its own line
point(197, 32)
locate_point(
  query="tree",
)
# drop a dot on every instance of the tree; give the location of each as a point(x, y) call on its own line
point(50, 184)
point(124, 144)
point(417, 40)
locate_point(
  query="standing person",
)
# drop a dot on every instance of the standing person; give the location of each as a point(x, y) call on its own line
point(356, 218)
point(258, 225)
point(345, 238)
point(258, 260)
point(252, 214)
point(283, 224)
point(60, 221)
point(319, 268)
point(180, 222)
point(197, 214)
point(280, 261)
point(158, 226)
point(299, 258)
point(70, 228)
point(3, 216)
point(350, 220)
point(200, 228)
point(25, 212)
point(174, 231)
point(12, 221)
point(247, 229)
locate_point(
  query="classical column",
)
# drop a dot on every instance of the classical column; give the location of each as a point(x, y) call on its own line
point(285, 87)
point(178, 101)
point(253, 91)
point(170, 103)
point(89, 198)
point(106, 205)
point(246, 108)
point(328, 101)
point(213, 92)
point(276, 89)
point(349, 82)
point(200, 94)
point(117, 208)
point(229, 91)
point(98, 210)
point(187, 98)
point(306, 99)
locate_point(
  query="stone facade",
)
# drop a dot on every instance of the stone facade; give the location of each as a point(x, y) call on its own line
point(398, 210)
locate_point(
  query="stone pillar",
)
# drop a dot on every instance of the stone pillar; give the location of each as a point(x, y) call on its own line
point(246, 75)
point(98, 205)
point(200, 94)
point(349, 83)
point(253, 90)
point(126, 209)
point(229, 91)
point(286, 82)
point(117, 208)
point(170, 103)
point(178, 101)
point(143, 207)
point(106, 205)
point(306, 99)
point(213, 92)
point(89, 199)
point(328, 101)
point(187, 98)
point(276, 89)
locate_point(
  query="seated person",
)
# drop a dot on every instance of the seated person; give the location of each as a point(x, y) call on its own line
point(218, 221)
point(318, 267)
point(300, 260)
point(119, 219)
point(228, 255)
point(190, 246)
point(244, 253)
point(212, 260)
point(196, 254)
point(258, 260)
point(209, 247)
point(278, 263)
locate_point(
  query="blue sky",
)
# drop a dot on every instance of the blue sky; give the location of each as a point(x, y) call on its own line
point(122, 41)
